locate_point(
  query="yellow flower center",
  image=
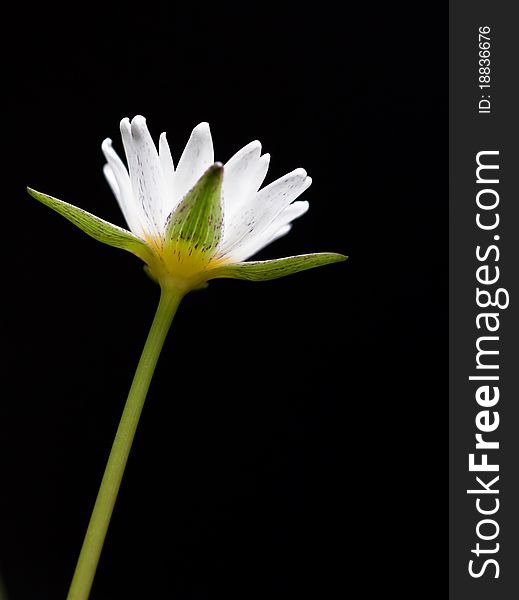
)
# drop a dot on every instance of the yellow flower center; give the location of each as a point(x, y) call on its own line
point(185, 264)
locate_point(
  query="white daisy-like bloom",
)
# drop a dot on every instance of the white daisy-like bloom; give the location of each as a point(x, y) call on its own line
point(198, 219)
point(252, 218)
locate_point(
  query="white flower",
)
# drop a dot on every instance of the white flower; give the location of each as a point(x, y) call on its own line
point(200, 219)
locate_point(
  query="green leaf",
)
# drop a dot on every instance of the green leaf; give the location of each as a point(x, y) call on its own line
point(273, 269)
point(101, 230)
point(196, 223)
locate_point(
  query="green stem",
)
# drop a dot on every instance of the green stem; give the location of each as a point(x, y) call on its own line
point(93, 543)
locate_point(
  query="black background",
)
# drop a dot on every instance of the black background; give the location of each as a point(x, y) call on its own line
point(291, 441)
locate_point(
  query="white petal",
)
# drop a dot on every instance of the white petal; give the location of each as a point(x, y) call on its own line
point(166, 160)
point(261, 210)
point(145, 172)
point(197, 157)
point(112, 182)
point(168, 173)
point(261, 172)
point(278, 228)
point(279, 234)
point(260, 243)
point(119, 180)
point(238, 181)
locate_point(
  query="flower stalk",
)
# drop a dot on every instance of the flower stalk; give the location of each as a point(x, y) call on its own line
point(94, 539)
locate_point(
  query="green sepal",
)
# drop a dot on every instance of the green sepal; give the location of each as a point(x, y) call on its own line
point(196, 223)
point(273, 269)
point(100, 230)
